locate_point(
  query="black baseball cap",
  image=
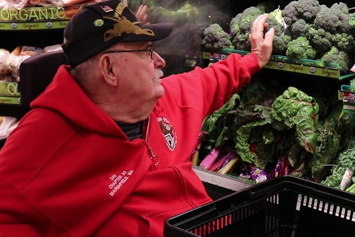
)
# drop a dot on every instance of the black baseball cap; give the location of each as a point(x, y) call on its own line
point(98, 26)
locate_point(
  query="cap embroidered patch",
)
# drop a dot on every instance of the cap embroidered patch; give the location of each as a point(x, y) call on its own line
point(123, 25)
point(106, 9)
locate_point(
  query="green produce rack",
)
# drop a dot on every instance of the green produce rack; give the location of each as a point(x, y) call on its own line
point(283, 63)
point(348, 97)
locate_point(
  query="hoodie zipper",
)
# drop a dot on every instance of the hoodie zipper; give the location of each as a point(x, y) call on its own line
point(153, 157)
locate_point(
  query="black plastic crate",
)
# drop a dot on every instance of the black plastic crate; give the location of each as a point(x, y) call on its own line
point(281, 207)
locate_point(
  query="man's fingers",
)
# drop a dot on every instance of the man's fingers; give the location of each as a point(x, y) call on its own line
point(269, 36)
point(259, 24)
point(261, 41)
point(142, 14)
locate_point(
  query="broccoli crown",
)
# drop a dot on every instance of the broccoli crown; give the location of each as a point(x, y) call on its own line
point(344, 42)
point(348, 23)
point(320, 39)
point(336, 18)
point(308, 9)
point(327, 19)
point(280, 43)
point(299, 28)
point(223, 43)
point(248, 16)
point(351, 20)
point(281, 37)
point(290, 13)
point(215, 38)
point(275, 21)
point(300, 48)
point(340, 9)
point(214, 33)
point(240, 27)
point(305, 9)
point(347, 19)
point(334, 55)
point(242, 42)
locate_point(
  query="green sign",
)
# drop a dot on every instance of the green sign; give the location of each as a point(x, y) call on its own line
point(10, 100)
point(32, 14)
point(305, 69)
point(33, 25)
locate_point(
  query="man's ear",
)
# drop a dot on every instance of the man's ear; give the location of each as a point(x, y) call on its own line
point(108, 70)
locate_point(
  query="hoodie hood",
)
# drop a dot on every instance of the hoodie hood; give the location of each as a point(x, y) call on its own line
point(64, 96)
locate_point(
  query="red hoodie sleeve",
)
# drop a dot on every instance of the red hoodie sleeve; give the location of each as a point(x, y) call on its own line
point(19, 217)
point(210, 88)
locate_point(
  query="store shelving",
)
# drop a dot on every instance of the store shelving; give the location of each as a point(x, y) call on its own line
point(221, 180)
point(35, 26)
point(283, 63)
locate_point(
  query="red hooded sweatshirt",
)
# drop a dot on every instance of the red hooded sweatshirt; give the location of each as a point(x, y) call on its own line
point(69, 170)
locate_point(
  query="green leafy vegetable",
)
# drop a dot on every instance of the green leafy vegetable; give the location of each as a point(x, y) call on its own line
point(300, 111)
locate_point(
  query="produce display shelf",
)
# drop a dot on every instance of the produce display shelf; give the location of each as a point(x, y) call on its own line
point(220, 180)
point(283, 63)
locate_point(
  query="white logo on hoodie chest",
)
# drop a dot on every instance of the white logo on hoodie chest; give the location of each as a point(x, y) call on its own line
point(117, 181)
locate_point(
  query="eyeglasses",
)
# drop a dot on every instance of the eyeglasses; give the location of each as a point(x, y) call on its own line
point(149, 52)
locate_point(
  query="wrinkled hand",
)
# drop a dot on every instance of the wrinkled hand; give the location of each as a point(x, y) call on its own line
point(261, 43)
point(142, 15)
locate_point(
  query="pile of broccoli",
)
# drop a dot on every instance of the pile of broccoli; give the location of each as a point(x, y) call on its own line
point(239, 29)
point(329, 31)
point(304, 29)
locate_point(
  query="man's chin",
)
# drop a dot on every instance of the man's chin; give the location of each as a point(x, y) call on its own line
point(160, 91)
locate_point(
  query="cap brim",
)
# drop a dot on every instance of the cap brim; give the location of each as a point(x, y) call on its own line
point(161, 31)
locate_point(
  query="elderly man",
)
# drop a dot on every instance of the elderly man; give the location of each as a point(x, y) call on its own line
point(105, 149)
